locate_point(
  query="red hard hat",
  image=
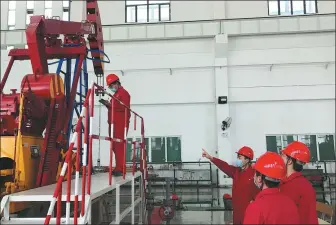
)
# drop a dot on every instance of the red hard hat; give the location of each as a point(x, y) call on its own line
point(298, 151)
point(271, 165)
point(246, 151)
point(111, 78)
point(174, 197)
point(227, 196)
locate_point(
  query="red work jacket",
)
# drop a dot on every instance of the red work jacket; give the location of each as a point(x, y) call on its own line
point(243, 188)
point(119, 110)
point(271, 207)
point(301, 191)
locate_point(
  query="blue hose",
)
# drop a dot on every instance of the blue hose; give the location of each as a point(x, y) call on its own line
point(99, 60)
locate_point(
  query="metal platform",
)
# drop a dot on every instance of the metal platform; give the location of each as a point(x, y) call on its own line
point(99, 187)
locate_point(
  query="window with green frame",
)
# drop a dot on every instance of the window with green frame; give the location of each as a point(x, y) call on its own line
point(130, 149)
point(322, 147)
point(161, 149)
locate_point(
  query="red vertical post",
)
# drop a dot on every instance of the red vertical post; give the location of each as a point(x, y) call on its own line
point(62, 174)
point(61, 178)
point(90, 139)
point(59, 207)
point(111, 136)
point(79, 143)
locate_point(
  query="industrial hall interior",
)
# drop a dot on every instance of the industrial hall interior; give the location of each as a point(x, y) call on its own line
point(167, 112)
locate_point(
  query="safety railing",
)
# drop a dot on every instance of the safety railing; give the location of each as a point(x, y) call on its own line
point(87, 115)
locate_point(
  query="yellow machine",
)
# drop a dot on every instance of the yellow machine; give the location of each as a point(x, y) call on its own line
point(20, 157)
point(25, 170)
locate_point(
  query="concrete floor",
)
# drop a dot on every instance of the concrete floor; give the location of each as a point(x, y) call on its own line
point(202, 217)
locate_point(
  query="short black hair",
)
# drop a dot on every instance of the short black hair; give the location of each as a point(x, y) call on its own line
point(269, 184)
point(296, 166)
point(117, 82)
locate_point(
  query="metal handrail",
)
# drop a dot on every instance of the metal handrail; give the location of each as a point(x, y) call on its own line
point(87, 113)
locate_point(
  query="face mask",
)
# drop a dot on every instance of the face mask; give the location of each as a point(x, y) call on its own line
point(112, 89)
point(239, 163)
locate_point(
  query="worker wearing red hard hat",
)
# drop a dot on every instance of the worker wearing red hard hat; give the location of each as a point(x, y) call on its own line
point(243, 188)
point(271, 206)
point(296, 186)
point(114, 85)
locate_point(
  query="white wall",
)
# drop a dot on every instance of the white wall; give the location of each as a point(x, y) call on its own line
point(293, 98)
point(113, 12)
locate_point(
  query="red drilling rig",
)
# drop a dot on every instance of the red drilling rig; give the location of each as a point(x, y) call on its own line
point(36, 123)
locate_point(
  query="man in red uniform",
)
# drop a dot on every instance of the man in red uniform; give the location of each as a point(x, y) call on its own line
point(296, 186)
point(271, 206)
point(243, 188)
point(119, 114)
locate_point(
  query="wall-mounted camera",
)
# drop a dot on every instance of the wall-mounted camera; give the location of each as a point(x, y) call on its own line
point(226, 123)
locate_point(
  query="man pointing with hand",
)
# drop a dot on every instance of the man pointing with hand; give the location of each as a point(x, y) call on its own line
point(243, 188)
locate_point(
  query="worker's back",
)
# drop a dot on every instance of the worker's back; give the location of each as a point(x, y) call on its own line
point(272, 207)
point(301, 191)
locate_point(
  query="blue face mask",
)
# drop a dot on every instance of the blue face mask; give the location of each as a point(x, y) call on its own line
point(112, 89)
point(239, 163)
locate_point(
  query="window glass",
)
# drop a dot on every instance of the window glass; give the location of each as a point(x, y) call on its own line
point(311, 7)
point(12, 5)
point(11, 18)
point(66, 16)
point(48, 4)
point(142, 14)
point(326, 147)
point(298, 7)
point(153, 13)
point(131, 14)
point(136, 2)
point(273, 8)
point(164, 12)
point(158, 2)
point(28, 18)
point(48, 13)
point(30, 4)
point(66, 4)
point(285, 7)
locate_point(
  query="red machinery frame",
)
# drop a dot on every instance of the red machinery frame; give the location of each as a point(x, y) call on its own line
point(43, 43)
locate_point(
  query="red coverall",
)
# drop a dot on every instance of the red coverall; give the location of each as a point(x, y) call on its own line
point(300, 190)
point(119, 125)
point(272, 207)
point(243, 188)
